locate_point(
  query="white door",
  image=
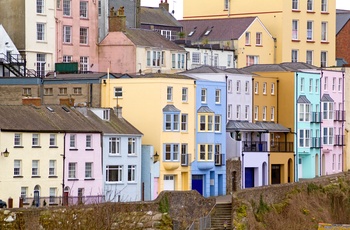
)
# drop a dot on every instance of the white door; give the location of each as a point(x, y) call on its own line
point(169, 183)
point(300, 169)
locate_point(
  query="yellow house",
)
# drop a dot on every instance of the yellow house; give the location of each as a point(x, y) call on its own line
point(247, 36)
point(304, 30)
point(162, 107)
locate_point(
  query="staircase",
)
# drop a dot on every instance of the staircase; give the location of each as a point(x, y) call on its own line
point(16, 65)
point(221, 216)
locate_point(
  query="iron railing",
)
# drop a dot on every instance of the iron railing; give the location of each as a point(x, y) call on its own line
point(316, 142)
point(281, 146)
point(254, 146)
point(339, 115)
point(339, 140)
point(316, 117)
point(185, 159)
point(60, 201)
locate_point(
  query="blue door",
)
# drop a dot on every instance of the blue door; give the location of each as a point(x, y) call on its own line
point(197, 183)
point(249, 177)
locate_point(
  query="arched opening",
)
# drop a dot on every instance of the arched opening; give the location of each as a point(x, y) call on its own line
point(290, 171)
point(66, 195)
point(323, 165)
point(36, 200)
point(264, 173)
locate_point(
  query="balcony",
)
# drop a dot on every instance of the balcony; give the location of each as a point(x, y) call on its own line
point(185, 159)
point(219, 159)
point(254, 146)
point(282, 147)
point(315, 117)
point(339, 115)
point(316, 142)
point(339, 140)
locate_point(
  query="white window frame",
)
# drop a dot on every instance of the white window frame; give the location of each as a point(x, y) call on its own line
point(196, 58)
point(118, 92)
point(295, 54)
point(229, 111)
point(252, 60)
point(256, 87)
point(17, 139)
point(52, 168)
point(295, 4)
point(67, 8)
point(40, 31)
point(114, 145)
point(324, 5)
point(72, 170)
point(40, 6)
point(247, 38)
point(184, 94)
point(35, 139)
point(328, 135)
point(302, 84)
point(88, 141)
point(169, 96)
point(88, 170)
point(246, 112)
point(53, 138)
point(324, 33)
point(310, 5)
point(304, 138)
point(131, 146)
point(258, 39)
point(35, 168)
point(309, 56)
point(84, 36)
point(84, 9)
point(264, 113)
point(114, 172)
point(238, 112)
point(84, 64)
point(324, 55)
point(131, 173)
point(256, 112)
point(264, 88)
point(304, 112)
point(67, 34)
point(272, 117)
point(272, 88)
point(246, 87)
point(184, 124)
point(295, 30)
point(17, 168)
point(217, 120)
point(238, 86)
point(217, 96)
point(203, 95)
point(310, 30)
point(311, 83)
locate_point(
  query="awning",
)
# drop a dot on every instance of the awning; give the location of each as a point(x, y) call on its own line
point(303, 99)
point(244, 126)
point(205, 109)
point(272, 127)
point(171, 108)
point(327, 98)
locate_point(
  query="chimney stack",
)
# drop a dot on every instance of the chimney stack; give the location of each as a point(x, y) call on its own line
point(164, 4)
point(117, 20)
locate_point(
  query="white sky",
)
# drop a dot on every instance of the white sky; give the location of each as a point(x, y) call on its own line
point(177, 5)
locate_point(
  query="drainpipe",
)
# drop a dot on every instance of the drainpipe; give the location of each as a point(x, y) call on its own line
point(296, 160)
point(64, 163)
point(321, 122)
point(276, 112)
point(342, 125)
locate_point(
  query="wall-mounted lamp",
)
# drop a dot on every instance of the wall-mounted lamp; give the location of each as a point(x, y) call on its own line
point(155, 157)
point(6, 153)
point(104, 81)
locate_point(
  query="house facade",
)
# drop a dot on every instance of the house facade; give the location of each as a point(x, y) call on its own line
point(342, 37)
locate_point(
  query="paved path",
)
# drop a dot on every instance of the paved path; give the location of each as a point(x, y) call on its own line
point(224, 199)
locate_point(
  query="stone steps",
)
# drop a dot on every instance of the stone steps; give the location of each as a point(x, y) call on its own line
point(221, 216)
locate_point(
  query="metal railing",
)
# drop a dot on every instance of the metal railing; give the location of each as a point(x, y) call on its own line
point(316, 142)
point(316, 117)
point(281, 146)
point(339, 140)
point(60, 201)
point(339, 115)
point(185, 159)
point(254, 146)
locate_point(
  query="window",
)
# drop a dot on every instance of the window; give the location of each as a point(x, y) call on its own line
point(18, 139)
point(84, 64)
point(202, 152)
point(247, 38)
point(246, 87)
point(294, 55)
point(180, 61)
point(67, 58)
point(258, 39)
point(229, 86)
point(302, 84)
point(88, 141)
point(66, 7)
point(328, 136)
point(169, 95)
point(323, 58)
point(196, 58)
point(226, 4)
point(272, 113)
point(52, 196)
point(310, 5)
point(67, 35)
point(131, 173)
point(202, 123)
point(238, 112)
point(27, 92)
point(72, 141)
point(238, 86)
point(184, 118)
point(52, 139)
point(118, 92)
point(229, 111)
point(132, 146)
point(173, 60)
point(166, 33)
point(229, 60)
point(324, 6)
point(340, 83)
point(251, 60)
point(210, 152)
point(35, 168)
point(295, 29)
point(210, 123)
point(17, 168)
point(246, 112)
point(58, 4)
point(304, 112)
point(204, 95)
point(205, 152)
point(72, 170)
point(114, 145)
point(184, 94)
point(325, 83)
point(310, 85)
point(256, 87)
point(105, 115)
point(304, 138)
point(339, 161)
point(88, 169)
point(171, 122)
point(217, 96)
point(83, 9)
point(40, 64)
point(316, 85)
point(328, 110)
point(52, 168)
point(205, 59)
point(99, 8)
point(256, 112)
point(309, 56)
point(153, 58)
point(295, 4)
point(40, 31)
point(324, 31)
point(114, 173)
point(309, 30)
point(40, 6)
point(35, 139)
point(264, 113)
point(48, 91)
point(264, 87)
point(83, 35)
point(24, 193)
point(217, 123)
point(171, 152)
point(334, 83)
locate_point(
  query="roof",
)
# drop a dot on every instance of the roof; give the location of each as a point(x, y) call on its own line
point(150, 38)
point(221, 29)
point(205, 109)
point(303, 99)
point(162, 75)
point(342, 17)
point(326, 97)
point(272, 127)
point(82, 76)
point(236, 71)
point(171, 108)
point(283, 67)
point(157, 16)
point(204, 69)
point(246, 126)
point(52, 118)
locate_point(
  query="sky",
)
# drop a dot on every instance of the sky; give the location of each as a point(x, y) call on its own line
point(177, 5)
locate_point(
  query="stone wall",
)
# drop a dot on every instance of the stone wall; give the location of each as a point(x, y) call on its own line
point(233, 175)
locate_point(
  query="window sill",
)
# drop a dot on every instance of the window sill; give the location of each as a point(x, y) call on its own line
point(114, 182)
point(84, 18)
point(310, 41)
point(295, 40)
point(89, 149)
point(132, 182)
point(324, 12)
point(248, 45)
point(36, 147)
point(86, 179)
point(36, 176)
point(85, 45)
point(258, 45)
point(18, 147)
point(53, 176)
point(73, 149)
point(324, 42)
point(53, 147)
point(67, 44)
point(310, 12)
point(62, 94)
point(295, 10)
point(132, 155)
point(114, 155)
point(77, 94)
point(17, 176)
point(48, 95)
point(73, 179)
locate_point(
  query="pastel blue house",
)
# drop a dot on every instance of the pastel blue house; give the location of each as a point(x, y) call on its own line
point(149, 173)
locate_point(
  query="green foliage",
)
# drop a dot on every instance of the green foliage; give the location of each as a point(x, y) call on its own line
point(311, 187)
point(261, 209)
point(241, 213)
point(164, 205)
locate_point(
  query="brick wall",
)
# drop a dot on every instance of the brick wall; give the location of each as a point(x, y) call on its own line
point(343, 43)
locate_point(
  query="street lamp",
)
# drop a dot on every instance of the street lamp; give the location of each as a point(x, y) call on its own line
point(6, 153)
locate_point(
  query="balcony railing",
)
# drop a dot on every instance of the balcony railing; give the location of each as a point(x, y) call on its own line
point(339, 140)
point(339, 115)
point(316, 117)
point(282, 147)
point(316, 142)
point(219, 159)
point(185, 159)
point(254, 146)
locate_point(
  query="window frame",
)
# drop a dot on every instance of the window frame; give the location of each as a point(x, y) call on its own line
point(131, 173)
point(114, 146)
point(72, 170)
point(84, 9)
point(132, 148)
point(40, 31)
point(88, 170)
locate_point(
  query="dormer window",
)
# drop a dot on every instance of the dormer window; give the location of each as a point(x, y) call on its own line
point(106, 114)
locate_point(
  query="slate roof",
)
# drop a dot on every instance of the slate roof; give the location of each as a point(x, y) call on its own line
point(150, 38)
point(157, 16)
point(303, 99)
point(272, 126)
point(162, 75)
point(171, 108)
point(221, 29)
point(243, 126)
point(283, 67)
point(204, 69)
point(327, 97)
point(236, 71)
point(342, 17)
point(205, 109)
point(80, 76)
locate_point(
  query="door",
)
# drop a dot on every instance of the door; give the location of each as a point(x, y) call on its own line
point(36, 198)
point(155, 188)
point(249, 177)
point(220, 184)
point(197, 183)
point(300, 169)
point(276, 174)
point(169, 183)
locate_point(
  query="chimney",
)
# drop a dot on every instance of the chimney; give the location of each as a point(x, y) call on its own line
point(31, 101)
point(117, 20)
point(118, 111)
point(138, 12)
point(164, 4)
